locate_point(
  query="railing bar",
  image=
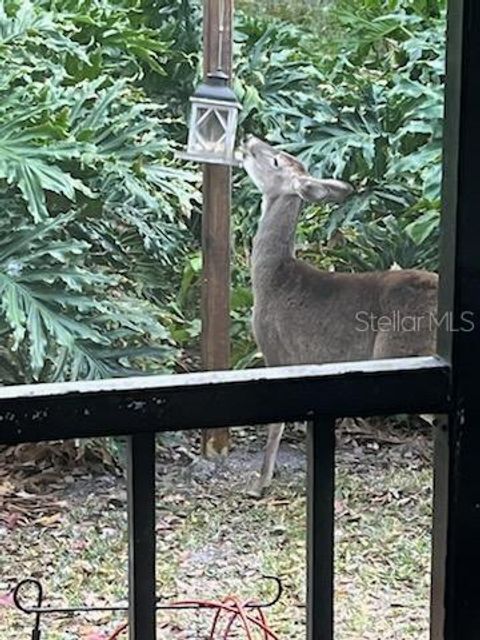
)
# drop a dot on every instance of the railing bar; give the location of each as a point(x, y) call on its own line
point(320, 528)
point(441, 468)
point(172, 382)
point(254, 398)
point(141, 525)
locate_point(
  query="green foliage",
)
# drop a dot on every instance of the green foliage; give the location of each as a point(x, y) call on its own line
point(94, 209)
point(366, 107)
point(179, 22)
point(99, 237)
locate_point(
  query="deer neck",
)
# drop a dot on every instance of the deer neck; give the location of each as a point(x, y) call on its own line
point(275, 238)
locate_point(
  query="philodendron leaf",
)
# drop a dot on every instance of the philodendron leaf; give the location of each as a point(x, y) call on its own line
point(423, 227)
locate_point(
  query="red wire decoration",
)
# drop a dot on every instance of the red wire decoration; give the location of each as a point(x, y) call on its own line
point(230, 615)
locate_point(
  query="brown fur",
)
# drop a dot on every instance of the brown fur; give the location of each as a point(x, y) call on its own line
point(305, 316)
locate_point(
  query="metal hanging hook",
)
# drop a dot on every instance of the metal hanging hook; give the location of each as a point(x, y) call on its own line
point(37, 610)
point(276, 598)
point(221, 30)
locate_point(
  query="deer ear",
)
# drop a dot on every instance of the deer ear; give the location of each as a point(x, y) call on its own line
point(313, 190)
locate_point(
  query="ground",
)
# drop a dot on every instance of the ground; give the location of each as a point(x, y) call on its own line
point(66, 525)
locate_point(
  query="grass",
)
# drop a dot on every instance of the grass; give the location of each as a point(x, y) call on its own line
point(383, 548)
point(213, 541)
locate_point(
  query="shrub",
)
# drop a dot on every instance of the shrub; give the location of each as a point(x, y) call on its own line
point(94, 210)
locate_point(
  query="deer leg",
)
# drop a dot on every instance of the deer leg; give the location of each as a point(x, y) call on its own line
point(275, 432)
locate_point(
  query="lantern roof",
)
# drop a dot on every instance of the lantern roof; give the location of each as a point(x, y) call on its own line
point(216, 89)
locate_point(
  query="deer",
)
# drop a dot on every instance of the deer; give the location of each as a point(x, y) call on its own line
point(303, 315)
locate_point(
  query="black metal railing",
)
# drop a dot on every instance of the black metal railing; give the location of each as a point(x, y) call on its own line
point(138, 408)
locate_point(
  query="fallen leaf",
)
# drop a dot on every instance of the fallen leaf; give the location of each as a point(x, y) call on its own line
point(12, 520)
point(7, 600)
point(49, 521)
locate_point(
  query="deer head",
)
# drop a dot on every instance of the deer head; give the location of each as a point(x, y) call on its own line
point(277, 173)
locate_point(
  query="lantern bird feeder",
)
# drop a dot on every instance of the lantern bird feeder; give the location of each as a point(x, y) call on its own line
point(214, 114)
point(213, 122)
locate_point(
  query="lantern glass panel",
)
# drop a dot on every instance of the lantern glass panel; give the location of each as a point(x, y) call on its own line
point(212, 132)
point(211, 128)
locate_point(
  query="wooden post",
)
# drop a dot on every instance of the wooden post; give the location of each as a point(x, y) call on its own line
point(216, 225)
